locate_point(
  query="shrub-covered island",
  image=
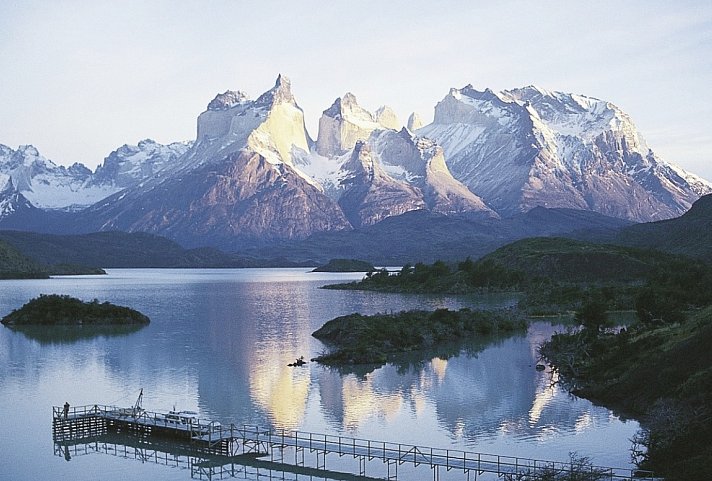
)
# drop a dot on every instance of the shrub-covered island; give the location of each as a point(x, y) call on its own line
point(60, 310)
point(360, 339)
point(346, 265)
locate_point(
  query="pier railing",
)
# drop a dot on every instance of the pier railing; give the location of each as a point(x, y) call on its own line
point(232, 439)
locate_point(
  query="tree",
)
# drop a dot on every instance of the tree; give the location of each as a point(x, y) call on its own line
point(579, 468)
point(592, 314)
point(467, 265)
point(655, 305)
point(406, 270)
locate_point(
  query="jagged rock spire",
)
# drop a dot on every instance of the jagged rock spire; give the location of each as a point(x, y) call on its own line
point(414, 122)
point(281, 92)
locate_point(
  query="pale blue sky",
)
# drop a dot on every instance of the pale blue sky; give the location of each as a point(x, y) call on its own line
point(80, 78)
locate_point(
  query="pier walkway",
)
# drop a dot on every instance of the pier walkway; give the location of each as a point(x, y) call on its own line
point(225, 442)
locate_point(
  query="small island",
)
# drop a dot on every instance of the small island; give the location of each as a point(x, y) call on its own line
point(62, 310)
point(346, 265)
point(360, 339)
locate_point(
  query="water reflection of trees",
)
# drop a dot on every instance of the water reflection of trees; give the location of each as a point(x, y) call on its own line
point(70, 334)
point(477, 391)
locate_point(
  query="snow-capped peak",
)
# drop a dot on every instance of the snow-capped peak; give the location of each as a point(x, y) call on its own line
point(571, 114)
point(280, 93)
point(530, 146)
point(131, 164)
point(43, 183)
point(470, 106)
point(227, 100)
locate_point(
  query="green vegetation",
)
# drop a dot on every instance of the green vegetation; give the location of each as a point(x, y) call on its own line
point(557, 274)
point(362, 339)
point(54, 310)
point(579, 468)
point(689, 234)
point(659, 371)
point(137, 249)
point(346, 265)
point(15, 265)
point(439, 277)
point(74, 270)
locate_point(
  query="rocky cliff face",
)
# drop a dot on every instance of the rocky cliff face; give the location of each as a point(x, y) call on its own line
point(529, 147)
point(387, 118)
point(370, 194)
point(346, 122)
point(387, 172)
point(272, 125)
point(420, 162)
point(237, 185)
point(414, 122)
point(242, 200)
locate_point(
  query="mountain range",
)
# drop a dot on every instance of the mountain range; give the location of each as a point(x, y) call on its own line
point(421, 237)
point(254, 177)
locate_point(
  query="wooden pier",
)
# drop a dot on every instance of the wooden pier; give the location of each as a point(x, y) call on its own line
point(246, 445)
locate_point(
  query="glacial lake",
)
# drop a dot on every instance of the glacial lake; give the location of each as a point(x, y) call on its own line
point(219, 343)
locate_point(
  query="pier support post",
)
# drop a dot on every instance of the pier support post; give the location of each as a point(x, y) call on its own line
point(392, 469)
point(321, 464)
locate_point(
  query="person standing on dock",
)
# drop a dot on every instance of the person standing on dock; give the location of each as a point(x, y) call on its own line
point(66, 410)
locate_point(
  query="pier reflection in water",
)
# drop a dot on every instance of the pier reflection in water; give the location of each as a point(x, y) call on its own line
point(233, 446)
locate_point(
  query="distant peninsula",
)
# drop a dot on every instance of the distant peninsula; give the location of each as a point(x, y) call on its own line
point(360, 339)
point(62, 310)
point(15, 265)
point(346, 265)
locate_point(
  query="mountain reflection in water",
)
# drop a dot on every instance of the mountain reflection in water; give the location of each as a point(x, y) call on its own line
point(220, 341)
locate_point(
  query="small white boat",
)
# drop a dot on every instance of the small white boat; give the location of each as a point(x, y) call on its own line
point(182, 417)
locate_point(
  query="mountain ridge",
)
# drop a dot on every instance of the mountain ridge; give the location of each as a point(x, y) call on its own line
point(254, 176)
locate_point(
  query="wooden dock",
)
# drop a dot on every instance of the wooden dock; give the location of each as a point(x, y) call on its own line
point(226, 443)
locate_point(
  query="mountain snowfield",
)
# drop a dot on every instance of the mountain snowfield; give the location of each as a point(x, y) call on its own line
point(254, 174)
point(26, 175)
point(529, 147)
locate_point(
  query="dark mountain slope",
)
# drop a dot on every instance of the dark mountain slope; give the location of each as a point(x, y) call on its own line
point(14, 265)
point(421, 236)
point(689, 234)
point(112, 249)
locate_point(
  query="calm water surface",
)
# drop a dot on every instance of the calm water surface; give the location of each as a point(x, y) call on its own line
point(219, 343)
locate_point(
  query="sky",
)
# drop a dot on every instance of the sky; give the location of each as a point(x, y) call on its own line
point(78, 79)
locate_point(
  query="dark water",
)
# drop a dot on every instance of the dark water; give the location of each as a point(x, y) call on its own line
point(219, 343)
